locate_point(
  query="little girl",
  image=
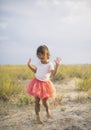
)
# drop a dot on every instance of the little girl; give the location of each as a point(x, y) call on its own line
point(41, 87)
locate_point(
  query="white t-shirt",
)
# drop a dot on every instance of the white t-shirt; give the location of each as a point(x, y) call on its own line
point(44, 71)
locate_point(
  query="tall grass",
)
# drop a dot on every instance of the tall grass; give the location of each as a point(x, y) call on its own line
point(73, 71)
point(84, 85)
point(12, 78)
point(81, 72)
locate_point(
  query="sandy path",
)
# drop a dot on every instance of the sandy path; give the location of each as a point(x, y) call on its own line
point(72, 113)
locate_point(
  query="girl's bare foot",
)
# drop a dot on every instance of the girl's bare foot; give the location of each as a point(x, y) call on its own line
point(49, 116)
point(39, 121)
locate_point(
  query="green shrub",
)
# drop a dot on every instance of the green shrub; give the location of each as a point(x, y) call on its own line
point(9, 88)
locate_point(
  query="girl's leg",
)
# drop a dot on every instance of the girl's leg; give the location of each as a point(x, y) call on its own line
point(46, 105)
point(37, 109)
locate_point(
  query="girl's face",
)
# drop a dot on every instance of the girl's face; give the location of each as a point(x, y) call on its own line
point(43, 57)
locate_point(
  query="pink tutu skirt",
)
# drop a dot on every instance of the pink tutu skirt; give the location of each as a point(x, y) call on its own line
point(41, 89)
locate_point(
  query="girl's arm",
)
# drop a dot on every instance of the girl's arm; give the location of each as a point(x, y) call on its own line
point(57, 61)
point(32, 67)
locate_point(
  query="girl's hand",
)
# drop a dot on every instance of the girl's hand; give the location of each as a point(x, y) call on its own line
point(32, 67)
point(29, 62)
point(58, 60)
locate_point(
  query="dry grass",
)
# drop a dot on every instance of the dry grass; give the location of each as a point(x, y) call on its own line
point(13, 80)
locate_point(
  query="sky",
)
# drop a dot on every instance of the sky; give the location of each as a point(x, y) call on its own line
point(63, 25)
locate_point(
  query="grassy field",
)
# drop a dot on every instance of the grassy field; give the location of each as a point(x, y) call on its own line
point(14, 78)
point(71, 109)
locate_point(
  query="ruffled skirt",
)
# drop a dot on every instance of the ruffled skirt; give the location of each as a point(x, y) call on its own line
point(41, 89)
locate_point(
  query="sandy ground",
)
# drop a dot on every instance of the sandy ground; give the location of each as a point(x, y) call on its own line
point(72, 111)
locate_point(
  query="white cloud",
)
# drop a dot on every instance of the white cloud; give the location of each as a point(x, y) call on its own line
point(3, 25)
point(3, 38)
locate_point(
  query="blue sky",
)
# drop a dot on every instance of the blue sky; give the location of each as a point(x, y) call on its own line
point(63, 25)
